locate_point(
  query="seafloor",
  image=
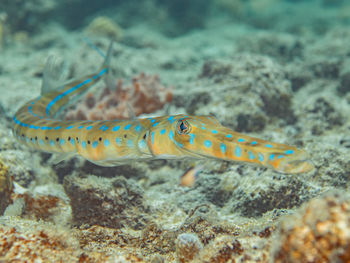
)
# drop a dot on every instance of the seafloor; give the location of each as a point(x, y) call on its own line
point(277, 70)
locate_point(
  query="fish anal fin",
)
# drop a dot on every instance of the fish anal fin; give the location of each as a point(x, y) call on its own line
point(56, 158)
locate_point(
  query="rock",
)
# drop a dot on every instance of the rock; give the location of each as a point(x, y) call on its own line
point(5, 187)
point(107, 202)
point(344, 86)
point(188, 246)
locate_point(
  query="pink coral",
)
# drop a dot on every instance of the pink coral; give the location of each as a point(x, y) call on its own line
point(146, 94)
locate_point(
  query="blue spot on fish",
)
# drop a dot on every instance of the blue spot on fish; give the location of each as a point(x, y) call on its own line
point(268, 145)
point(261, 157)
point(170, 118)
point(192, 136)
point(223, 148)
point(70, 127)
point(89, 127)
point(106, 142)
point(163, 131)
point(280, 156)
point(238, 151)
point(254, 143)
point(142, 143)
point(80, 127)
point(62, 141)
point(229, 136)
point(178, 144)
point(41, 142)
point(241, 140)
point(251, 155)
point(57, 128)
point(207, 143)
point(83, 144)
point(72, 142)
point(155, 124)
point(116, 128)
point(171, 135)
point(214, 131)
point(94, 144)
point(127, 127)
point(60, 96)
point(272, 156)
point(138, 128)
point(118, 141)
point(289, 152)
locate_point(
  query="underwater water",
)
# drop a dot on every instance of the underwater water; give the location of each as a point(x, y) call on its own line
point(214, 131)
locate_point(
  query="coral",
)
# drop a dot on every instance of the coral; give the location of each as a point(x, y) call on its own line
point(145, 95)
point(5, 187)
point(37, 245)
point(104, 26)
point(188, 246)
point(222, 249)
point(106, 202)
point(41, 207)
point(320, 232)
point(30, 241)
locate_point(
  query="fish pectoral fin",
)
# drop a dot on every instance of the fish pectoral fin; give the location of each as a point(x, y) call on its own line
point(59, 157)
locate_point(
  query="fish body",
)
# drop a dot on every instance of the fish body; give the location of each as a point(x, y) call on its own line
point(110, 143)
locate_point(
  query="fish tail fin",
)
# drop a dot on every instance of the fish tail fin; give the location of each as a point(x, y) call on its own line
point(106, 65)
point(63, 95)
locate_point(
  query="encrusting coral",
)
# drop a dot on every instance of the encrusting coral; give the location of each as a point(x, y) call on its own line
point(145, 95)
point(320, 232)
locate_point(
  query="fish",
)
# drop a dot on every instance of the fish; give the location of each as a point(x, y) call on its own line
point(116, 142)
point(188, 179)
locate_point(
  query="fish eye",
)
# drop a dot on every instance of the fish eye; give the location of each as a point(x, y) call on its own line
point(183, 127)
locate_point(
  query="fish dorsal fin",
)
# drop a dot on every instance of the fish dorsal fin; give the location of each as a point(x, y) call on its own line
point(53, 75)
